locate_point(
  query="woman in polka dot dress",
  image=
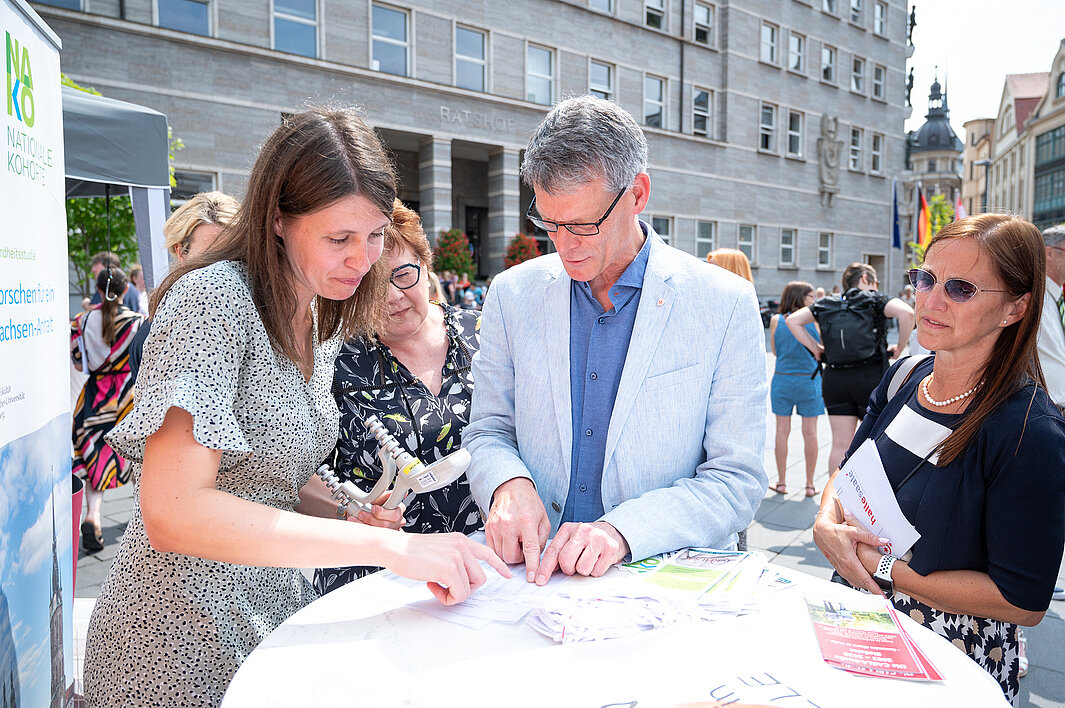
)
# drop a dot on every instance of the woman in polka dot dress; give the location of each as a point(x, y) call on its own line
point(232, 415)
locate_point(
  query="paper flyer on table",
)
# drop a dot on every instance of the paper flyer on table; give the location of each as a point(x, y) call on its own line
point(864, 491)
point(860, 635)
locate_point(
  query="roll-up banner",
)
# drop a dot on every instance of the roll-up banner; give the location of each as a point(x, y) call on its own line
point(36, 585)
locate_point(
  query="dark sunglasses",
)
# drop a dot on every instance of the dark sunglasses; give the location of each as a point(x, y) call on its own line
point(957, 289)
point(405, 276)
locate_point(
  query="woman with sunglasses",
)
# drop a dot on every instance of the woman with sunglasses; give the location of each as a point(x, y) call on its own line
point(414, 375)
point(973, 448)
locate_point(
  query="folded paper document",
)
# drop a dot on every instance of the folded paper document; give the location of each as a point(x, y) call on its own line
point(864, 491)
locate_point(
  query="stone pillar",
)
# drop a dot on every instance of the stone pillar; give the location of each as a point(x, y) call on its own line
point(434, 185)
point(504, 208)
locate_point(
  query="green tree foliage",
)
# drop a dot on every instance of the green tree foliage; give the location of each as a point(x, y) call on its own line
point(87, 236)
point(453, 252)
point(87, 220)
point(520, 249)
point(942, 213)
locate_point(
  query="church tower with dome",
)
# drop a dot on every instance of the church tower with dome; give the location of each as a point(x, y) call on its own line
point(933, 159)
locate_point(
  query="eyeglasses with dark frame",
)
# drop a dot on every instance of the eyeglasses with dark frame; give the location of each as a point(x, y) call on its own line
point(576, 229)
point(957, 289)
point(405, 276)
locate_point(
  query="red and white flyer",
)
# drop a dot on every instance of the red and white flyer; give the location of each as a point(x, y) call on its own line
point(862, 635)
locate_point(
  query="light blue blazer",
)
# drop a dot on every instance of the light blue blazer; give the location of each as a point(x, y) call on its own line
point(684, 462)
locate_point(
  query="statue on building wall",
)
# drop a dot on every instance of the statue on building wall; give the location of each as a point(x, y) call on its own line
point(909, 87)
point(828, 152)
point(911, 24)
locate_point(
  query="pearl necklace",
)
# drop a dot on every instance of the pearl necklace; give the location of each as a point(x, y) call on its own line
point(955, 399)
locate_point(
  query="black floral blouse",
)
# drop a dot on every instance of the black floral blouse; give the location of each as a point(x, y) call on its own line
point(370, 381)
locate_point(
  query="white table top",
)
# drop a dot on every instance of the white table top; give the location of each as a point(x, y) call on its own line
point(359, 646)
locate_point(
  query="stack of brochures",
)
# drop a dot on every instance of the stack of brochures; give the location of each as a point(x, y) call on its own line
point(693, 583)
point(861, 634)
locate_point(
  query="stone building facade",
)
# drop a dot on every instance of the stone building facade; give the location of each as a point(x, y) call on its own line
point(1028, 159)
point(976, 162)
point(773, 127)
point(1011, 158)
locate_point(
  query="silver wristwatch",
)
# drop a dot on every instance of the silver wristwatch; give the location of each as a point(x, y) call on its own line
point(882, 576)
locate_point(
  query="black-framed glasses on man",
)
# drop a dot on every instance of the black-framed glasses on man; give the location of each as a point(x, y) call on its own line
point(576, 229)
point(405, 276)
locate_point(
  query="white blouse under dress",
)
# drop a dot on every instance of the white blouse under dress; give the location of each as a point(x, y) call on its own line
point(170, 629)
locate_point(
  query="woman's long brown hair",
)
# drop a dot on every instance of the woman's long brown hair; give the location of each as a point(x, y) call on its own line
point(1015, 248)
point(112, 284)
point(312, 160)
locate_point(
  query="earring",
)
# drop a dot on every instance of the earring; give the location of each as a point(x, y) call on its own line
point(1005, 321)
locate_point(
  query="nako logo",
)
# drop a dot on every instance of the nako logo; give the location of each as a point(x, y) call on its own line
point(19, 83)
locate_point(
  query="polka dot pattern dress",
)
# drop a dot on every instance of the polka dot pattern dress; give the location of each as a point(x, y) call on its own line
point(170, 629)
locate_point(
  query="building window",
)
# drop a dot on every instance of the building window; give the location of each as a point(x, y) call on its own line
point(1006, 120)
point(828, 63)
point(1050, 145)
point(704, 24)
point(767, 125)
point(705, 235)
point(787, 247)
point(880, 19)
point(856, 149)
point(471, 59)
point(190, 16)
point(828, 6)
point(856, 11)
point(769, 43)
point(1059, 91)
point(601, 80)
point(858, 75)
point(654, 101)
point(879, 73)
point(66, 4)
point(824, 250)
point(606, 6)
point(540, 75)
point(189, 184)
point(702, 112)
point(1049, 193)
point(296, 27)
point(931, 166)
point(661, 225)
point(876, 156)
point(390, 41)
point(655, 13)
point(794, 134)
point(745, 241)
point(797, 52)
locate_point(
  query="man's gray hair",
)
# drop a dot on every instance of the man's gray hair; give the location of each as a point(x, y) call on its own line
point(1054, 235)
point(583, 139)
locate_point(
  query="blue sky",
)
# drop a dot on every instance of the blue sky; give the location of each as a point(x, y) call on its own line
point(976, 43)
point(31, 469)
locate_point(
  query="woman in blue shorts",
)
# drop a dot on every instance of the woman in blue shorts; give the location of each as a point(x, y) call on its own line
point(793, 389)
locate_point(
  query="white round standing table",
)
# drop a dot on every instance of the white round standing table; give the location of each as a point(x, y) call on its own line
point(361, 645)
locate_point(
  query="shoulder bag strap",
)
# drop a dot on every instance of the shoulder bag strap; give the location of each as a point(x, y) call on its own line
point(902, 374)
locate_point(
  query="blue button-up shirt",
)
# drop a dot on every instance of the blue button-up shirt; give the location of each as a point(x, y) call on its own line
point(598, 344)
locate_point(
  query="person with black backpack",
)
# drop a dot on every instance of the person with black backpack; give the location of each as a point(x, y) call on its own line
point(853, 348)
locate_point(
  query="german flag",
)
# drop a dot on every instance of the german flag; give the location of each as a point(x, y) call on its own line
point(923, 220)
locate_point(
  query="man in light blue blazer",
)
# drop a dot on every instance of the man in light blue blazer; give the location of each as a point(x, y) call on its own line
point(620, 397)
